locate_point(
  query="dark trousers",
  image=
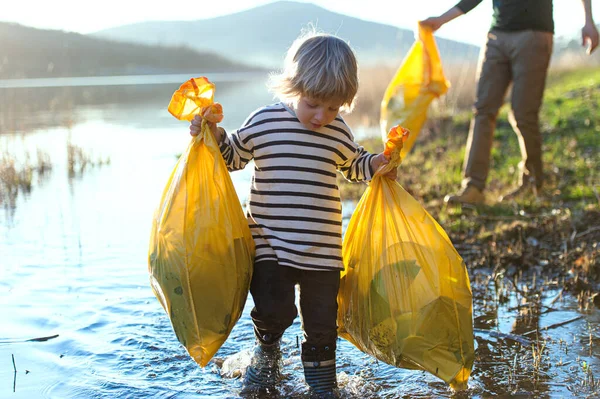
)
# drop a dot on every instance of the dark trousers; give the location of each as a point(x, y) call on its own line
point(274, 295)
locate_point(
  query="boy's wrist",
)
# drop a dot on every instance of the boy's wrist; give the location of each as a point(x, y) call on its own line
point(220, 134)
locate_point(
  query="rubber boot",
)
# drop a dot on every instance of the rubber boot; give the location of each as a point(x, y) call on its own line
point(264, 371)
point(320, 371)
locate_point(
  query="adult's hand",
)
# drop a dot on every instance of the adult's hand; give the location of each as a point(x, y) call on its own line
point(589, 37)
point(436, 22)
point(433, 22)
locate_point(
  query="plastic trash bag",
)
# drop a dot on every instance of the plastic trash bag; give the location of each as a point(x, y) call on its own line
point(405, 296)
point(194, 97)
point(417, 82)
point(201, 249)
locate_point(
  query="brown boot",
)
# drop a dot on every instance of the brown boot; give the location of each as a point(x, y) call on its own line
point(525, 189)
point(468, 195)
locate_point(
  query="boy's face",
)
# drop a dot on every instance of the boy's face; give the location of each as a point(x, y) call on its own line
point(314, 113)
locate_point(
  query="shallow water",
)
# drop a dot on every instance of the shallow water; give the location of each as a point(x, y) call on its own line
point(73, 263)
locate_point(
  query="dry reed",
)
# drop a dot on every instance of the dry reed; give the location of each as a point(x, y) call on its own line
point(17, 176)
point(374, 81)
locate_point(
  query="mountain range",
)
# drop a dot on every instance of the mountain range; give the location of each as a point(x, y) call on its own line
point(261, 35)
point(27, 52)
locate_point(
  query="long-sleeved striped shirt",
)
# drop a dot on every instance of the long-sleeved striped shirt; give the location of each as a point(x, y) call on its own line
point(294, 208)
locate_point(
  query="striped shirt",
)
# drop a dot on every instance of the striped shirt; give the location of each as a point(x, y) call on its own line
point(294, 208)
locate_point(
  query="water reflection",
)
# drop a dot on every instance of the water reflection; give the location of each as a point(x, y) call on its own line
point(125, 80)
point(25, 109)
point(525, 334)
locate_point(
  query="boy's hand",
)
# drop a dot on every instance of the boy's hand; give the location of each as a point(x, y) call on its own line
point(196, 127)
point(381, 160)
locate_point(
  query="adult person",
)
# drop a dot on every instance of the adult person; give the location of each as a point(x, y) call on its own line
point(517, 51)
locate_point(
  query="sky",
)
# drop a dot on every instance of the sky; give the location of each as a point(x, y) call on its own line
point(90, 16)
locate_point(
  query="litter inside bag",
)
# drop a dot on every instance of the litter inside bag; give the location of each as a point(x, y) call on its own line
point(417, 82)
point(201, 249)
point(405, 295)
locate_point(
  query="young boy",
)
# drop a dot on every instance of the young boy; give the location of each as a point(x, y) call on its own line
point(294, 207)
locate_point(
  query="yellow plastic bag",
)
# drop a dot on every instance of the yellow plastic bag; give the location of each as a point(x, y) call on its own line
point(201, 249)
point(405, 296)
point(417, 82)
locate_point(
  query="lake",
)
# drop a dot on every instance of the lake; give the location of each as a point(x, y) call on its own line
point(73, 263)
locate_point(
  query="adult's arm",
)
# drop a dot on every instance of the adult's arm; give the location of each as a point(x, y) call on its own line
point(467, 5)
point(463, 7)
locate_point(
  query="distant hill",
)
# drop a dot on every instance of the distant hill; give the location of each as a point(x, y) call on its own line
point(262, 35)
point(27, 53)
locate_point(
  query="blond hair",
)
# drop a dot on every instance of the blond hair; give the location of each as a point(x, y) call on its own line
point(319, 66)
